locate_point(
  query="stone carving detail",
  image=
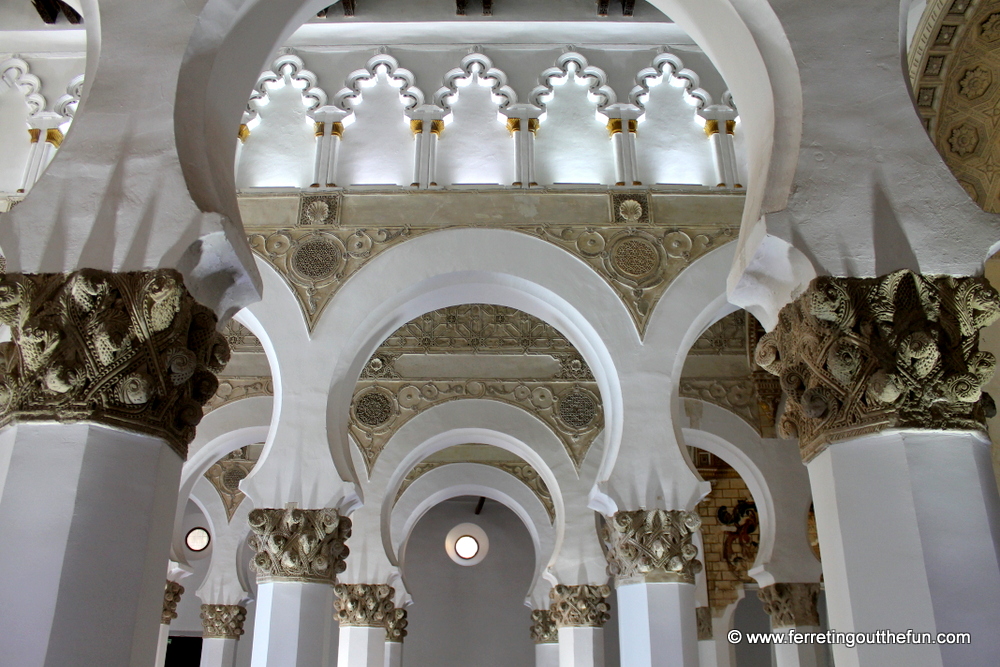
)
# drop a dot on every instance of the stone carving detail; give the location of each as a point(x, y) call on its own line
point(635, 256)
point(365, 605)
point(652, 545)
point(130, 350)
point(222, 621)
point(241, 339)
point(226, 475)
point(733, 394)
point(543, 628)
point(298, 545)
point(964, 140)
point(234, 388)
point(395, 625)
point(727, 336)
point(172, 593)
point(572, 410)
point(859, 355)
point(704, 618)
point(579, 606)
point(739, 548)
point(791, 605)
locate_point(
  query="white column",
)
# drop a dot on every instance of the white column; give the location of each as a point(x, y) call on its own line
point(547, 655)
point(622, 127)
point(43, 128)
point(394, 654)
point(793, 609)
point(427, 124)
point(223, 627)
point(293, 625)
point(86, 514)
point(656, 624)
point(218, 652)
point(417, 127)
point(361, 646)
point(909, 527)
point(161, 645)
point(581, 646)
point(329, 128)
point(522, 122)
point(720, 126)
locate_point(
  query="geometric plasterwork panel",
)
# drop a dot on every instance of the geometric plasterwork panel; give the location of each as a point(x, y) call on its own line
point(955, 67)
point(226, 475)
point(572, 410)
point(234, 388)
point(519, 469)
point(727, 336)
point(241, 339)
point(319, 248)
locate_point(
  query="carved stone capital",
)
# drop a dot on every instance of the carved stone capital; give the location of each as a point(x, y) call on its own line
point(222, 621)
point(791, 605)
point(579, 606)
point(543, 628)
point(172, 593)
point(130, 350)
point(859, 355)
point(395, 625)
point(704, 618)
point(298, 544)
point(652, 545)
point(365, 605)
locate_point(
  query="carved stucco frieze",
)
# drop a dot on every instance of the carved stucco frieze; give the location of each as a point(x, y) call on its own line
point(735, 394)
point(859, 355)
point(241, 339)
point(235, 388)
point(222, 621)
point(703, 616)
point(129, 350)
point(638, 258)
point(791, 605)
point(298, 544)
point(571, 409)
point(226, 475)
point(543, 628)
point(726, 336)
point(584, 605)
point(652, 545)
point(395, 625)
point(172, 593)
point(364, 605)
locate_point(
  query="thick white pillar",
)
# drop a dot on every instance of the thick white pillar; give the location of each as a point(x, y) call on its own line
point(656, 624)
point(793, 609)
point(293, 625)
point(547, 654)
point(581, 646)
point(394, 654)
point(218, 652)
point(909, 526)
point(161, 645)
point(580, 612)
point(86, 512)
point(361, 646)
point(172, 593)
point(223, 627)
point(365, 612)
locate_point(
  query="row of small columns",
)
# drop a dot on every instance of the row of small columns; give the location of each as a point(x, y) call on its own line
point(46, 137)
point(427, 125)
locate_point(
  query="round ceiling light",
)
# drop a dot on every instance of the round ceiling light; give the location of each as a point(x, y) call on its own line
point(467, 544)
point(197, 539)
point(466, 547)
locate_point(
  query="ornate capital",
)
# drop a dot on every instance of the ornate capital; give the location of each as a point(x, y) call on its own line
point(172, 593)
point(395, 625)
point(652, 545)
point(704, 618)
point(129, 350)
point(222, 621)
point(791, 605)
point(365, 605)
point(859, 355)
point(298, 545)
point(543, 628)
point(579, 606)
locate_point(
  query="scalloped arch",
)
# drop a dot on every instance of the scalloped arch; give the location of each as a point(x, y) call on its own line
point(575, 63)
point(288, 66)
point(670, 66)
point(475, 64)
point(411, 95)
point(17, 74)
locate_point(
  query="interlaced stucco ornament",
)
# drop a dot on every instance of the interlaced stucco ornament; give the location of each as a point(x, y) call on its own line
point(298, 544)
point(234, 388)
point(226, 475)
point(859, 355)
point(129, 350)
point(579, 606)
point(172, 593)
point(222, 621)
point(364, 605)
point(395, 625)
point(652, 545)
point(543, 629)
point(791, 605)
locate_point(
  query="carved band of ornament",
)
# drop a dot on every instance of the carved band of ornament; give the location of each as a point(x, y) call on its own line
point(133, 351)
point(222, 621)
point(858, 355)
point(364, 605)
point(395, 625)
point(791, 605)
point(234, 388)
point(652, 546)
point(298, 545)
point(580, 606)
point(703, 616)
point(172, 593)
point(734, 394)
point(543, 629)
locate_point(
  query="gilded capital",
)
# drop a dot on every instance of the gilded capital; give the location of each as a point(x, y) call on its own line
point(859, 355)
point(580, 606)
point(395, 625)
point(298, 545)
point(543, 628)
point(791, 605)
point(130, 350)
point(652, 545)
point(365, 605)
point(222, 621)
point(172, 593)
